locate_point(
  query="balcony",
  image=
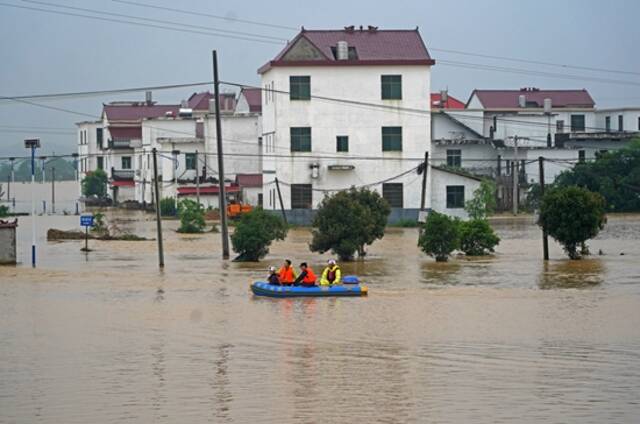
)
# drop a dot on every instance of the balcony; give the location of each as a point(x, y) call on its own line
point(120, 144)
point(122, 174)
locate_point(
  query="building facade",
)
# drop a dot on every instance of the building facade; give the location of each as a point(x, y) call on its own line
point(332, 98)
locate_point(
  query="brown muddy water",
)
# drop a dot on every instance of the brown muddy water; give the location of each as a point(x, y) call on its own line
point(107, 337)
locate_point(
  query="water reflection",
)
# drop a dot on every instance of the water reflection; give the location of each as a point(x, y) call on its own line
point(440, 273)
point(572, 274)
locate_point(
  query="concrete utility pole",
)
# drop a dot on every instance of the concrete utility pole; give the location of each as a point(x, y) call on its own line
point(43, 159)
point(11, 180)
point(545, 237)
point(222, 194)
point(33, 144)
point(157, 204)
point(53, 190)
point(175, 154)
point(197, 178)
point(515, 175)
point(284, 215)
point(423, 194)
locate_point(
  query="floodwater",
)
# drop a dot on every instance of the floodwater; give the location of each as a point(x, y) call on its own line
point(107, 337)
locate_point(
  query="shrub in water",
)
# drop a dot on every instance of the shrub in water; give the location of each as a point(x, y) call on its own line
point(440, 236)
point(191, 216)
point(477, 238)
point(254, 232)
point(168, 207)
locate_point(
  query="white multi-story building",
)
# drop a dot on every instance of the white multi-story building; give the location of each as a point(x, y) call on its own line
point(319, 124)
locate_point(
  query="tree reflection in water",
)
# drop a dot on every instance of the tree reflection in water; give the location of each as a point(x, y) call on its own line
point(569, 274)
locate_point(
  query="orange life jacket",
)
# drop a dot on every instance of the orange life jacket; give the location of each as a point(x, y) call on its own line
point(286, 275)
point(310, 278)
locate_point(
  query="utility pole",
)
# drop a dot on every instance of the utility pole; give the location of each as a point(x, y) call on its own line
point(53, 190)
point(157, 204)
point(33, 144)
point(11, 179)
point(545, 238)
point(424, 180)
point(43, 159)
point(515, 175)
point(222, 194)
point(175, 154)
point(284, 215)
point(197, 179)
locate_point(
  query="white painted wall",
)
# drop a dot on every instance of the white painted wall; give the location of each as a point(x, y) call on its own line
point(630, 118)
point(328, 119)
point(440, 181)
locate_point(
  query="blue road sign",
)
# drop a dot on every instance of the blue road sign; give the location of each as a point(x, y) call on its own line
point(86, 220)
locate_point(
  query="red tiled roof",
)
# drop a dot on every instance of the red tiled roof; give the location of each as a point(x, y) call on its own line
point(373, 47)
point(253, 97)
point(206, 190)
point(137, 111)
point(451, 103)
point(125, 133)
point(495, 99)
point(249, 180)
point(200, 101)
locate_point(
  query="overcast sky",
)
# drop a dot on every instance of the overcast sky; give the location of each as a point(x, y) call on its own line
point(47, 53)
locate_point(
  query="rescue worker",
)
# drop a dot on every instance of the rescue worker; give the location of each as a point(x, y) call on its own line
point(307, 277)
point(273, 276)
point(331, 274)
point(287, 274)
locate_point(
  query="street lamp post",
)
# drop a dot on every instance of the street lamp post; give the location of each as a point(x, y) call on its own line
point(33, 144)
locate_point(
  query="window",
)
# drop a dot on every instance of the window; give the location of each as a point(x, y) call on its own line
point(300, 139)
point(455, 197)
point(342, 143)
point(607, 123)
point(391, 87)
point(560, 126)
point(639, 123)
point(577, 123)
point(299, 88)
point(190, 160)
point(620, 123)
point(391, 139)
point(392, 193)
point(99, 137)
point(260, 199)
point(100, 162)
point(454, 158)
point(126, 162)
point(300, 196)
point(581, 156)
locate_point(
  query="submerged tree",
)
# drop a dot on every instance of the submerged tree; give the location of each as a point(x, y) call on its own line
point(572, 215)
point(483, 202)
point(348, 221)
point(95, 184)
point(477, 238)
point(440, 236)
point(254, 233)
point(191, 215)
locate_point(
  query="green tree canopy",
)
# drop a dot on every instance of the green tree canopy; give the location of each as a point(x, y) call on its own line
point(95, 184)
point(483, 202)
point(615, 175)
point(254, 233)
point(191, 214)
point(348, 221)
point(572, 215)
point(440, 236)
point(477, 238)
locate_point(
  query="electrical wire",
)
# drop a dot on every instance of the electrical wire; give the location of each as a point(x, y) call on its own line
point(100, 18)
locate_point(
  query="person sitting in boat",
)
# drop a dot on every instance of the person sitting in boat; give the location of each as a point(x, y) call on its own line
point(307, 277)
point(331, 274)
point(273, 276)
point(287, 274)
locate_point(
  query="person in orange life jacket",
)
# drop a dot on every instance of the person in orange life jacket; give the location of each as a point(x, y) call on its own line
point(273, 276)
point(287, 274)
point(307, 277)
point(331, 274)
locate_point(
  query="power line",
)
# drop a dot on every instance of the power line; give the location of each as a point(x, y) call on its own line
point(192, 31)
point(90, 93)
point(206, 28)
point(209, 15)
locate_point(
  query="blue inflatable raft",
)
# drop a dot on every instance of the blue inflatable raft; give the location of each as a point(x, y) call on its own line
point(261, 288)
